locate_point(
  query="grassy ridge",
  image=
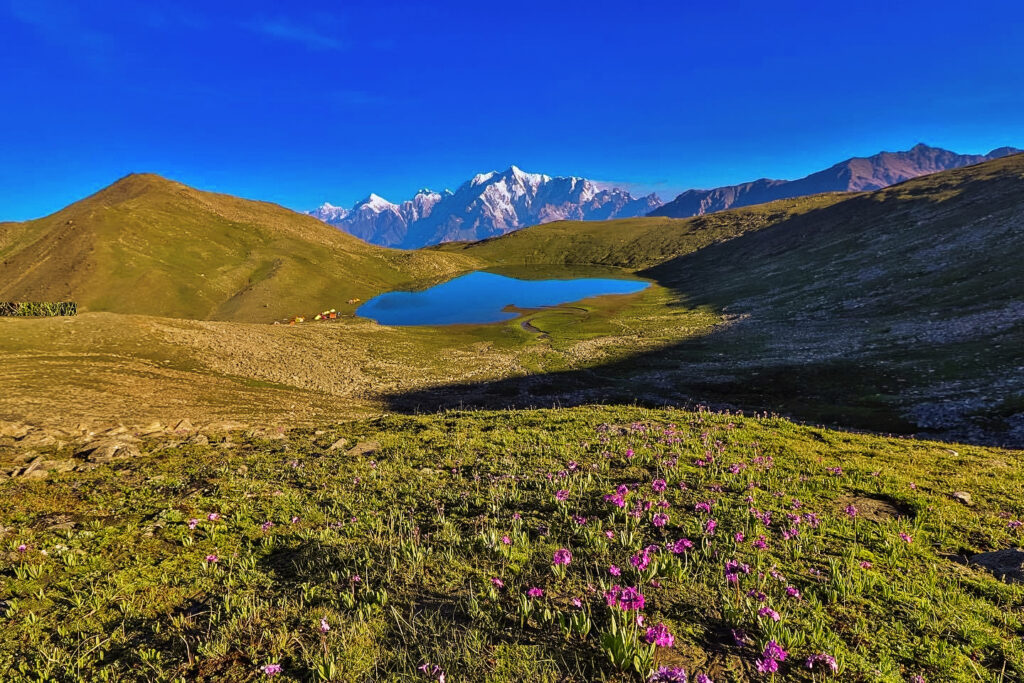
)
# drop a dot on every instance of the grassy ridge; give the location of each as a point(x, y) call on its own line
point(150, 245)
point(209, 558)
point(632, 243)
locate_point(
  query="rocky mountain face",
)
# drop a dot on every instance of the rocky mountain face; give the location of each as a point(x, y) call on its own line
point(858, 174)
point(488, 205)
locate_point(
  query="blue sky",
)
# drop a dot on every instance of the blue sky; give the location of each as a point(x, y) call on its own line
point(304, 102)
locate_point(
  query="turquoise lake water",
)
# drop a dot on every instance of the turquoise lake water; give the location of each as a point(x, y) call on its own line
point(480, 297)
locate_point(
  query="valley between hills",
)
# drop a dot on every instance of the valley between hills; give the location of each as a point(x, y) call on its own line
point(195, 489)
point(897, 310)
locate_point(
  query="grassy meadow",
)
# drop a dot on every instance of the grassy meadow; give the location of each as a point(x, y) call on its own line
point(499, 545)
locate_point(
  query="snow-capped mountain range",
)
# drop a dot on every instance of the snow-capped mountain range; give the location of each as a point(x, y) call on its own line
point(488, 205)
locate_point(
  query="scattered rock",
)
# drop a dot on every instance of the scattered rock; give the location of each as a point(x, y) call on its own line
point(58, 465)
point(226, 426)
point(364, 448)
point(31, 467)
point(200, 440)
point(1007, 564)
point(963, 497)
point(115, 431)
point(338, 445)
point(15, 430)
point(43, 439)
point(183, 426)
point(150, 429)
point(107, 450)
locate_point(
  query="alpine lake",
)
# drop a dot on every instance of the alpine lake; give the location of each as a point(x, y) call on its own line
point(497, 295)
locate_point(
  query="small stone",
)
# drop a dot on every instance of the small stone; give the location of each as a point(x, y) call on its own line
point(41, 440)
point(225, 426)
point(107, 450)
point(151, 428)
point(183, 425)
point(58, 465)
point(32, 467)
point(15, 430)
point(963, 497)
point(338, 445)
point(364, 448)
point(1007, 564)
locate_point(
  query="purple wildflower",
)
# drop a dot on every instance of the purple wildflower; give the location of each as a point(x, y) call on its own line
point(660, 636)
point(665, 674)
point(823, 658)
point(631, 600)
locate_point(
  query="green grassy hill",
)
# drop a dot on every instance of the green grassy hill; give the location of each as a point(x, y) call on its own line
point(150, 245)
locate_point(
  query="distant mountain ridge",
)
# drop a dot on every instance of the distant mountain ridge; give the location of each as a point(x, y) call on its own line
point(488, 205)
point(858, 174)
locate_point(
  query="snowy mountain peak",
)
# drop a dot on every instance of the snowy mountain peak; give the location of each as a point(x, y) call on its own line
point(487, 205)
point(481, 178)
point(375, 203)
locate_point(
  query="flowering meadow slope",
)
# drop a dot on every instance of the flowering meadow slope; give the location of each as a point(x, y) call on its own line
point(560, 545)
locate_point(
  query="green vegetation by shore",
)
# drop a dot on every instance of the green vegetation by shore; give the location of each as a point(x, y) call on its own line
point(37, 309)
point(370, 551)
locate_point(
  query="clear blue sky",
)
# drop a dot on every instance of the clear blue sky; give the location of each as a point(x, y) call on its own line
point(301, 102)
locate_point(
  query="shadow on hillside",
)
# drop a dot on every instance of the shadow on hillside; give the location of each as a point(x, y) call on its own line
point(768, 362)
